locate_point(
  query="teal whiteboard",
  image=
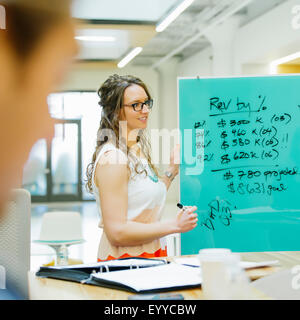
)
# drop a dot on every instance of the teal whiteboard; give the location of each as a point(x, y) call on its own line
point(248, 195)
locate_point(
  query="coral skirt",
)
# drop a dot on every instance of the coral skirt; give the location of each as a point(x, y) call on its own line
point(157, 254)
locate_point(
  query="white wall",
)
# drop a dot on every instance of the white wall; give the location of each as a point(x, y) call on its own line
point(267, 38)
point(199, 64)
point(168, 115)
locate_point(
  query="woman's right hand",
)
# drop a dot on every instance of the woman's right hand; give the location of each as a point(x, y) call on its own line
point(186, 219)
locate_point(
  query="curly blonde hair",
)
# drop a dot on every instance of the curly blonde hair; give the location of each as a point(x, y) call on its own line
point(111, 95)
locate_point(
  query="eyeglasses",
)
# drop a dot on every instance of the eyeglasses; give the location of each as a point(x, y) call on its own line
point(139, 106)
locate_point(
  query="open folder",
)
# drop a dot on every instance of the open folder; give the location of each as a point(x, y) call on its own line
point(166, 277)
point(130, 274)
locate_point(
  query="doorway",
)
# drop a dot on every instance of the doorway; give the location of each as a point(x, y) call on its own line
point(53, 170)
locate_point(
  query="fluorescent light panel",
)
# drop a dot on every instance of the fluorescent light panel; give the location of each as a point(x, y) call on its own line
point(274, 64)
point(173, 15)
point(96, 38)
point(131, 55)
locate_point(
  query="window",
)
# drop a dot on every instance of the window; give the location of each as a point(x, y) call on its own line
point(83, 106)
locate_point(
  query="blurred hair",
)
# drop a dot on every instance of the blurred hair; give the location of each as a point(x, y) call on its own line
point(27, 22)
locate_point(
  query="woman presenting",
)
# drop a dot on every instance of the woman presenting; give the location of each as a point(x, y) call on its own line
point(129, 192)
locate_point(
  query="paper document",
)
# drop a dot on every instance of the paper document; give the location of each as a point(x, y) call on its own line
point(251, 265)
point(161, 277)
point(194, 261)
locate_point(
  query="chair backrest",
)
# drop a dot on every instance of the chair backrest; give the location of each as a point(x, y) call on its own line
point(282, 285)
point(173, 244)
point(15, 241)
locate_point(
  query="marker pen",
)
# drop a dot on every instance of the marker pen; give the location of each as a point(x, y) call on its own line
point(181, 206)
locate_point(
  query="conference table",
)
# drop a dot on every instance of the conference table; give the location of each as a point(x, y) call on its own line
point(52, 289)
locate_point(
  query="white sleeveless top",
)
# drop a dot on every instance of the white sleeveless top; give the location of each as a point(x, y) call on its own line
point(146, 199)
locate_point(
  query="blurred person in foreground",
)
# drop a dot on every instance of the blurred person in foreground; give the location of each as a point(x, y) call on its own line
point(36, 47)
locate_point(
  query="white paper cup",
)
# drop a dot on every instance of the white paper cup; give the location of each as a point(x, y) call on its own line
point(215, 265)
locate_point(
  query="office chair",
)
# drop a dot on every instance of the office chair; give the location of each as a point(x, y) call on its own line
point(15, 241)
point(173, 244)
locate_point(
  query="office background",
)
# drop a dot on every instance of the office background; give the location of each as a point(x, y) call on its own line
point(210, 38)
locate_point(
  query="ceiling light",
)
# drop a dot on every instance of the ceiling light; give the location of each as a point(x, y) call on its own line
point(96, 38)
point(133, 53)
point(173, 15)
point(274, 64)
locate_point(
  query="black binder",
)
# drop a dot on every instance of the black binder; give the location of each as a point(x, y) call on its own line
point(82, 273)
point(136, 275)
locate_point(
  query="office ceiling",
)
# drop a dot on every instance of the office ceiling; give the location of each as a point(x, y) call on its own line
point(132, 23)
